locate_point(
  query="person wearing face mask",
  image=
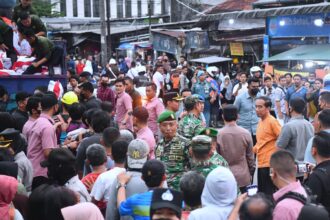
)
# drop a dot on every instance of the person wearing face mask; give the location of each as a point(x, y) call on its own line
point(86, 96)
point(104, 92)
point(246, 105)
point(43, 138)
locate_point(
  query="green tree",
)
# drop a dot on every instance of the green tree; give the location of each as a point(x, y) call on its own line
point(45, 8)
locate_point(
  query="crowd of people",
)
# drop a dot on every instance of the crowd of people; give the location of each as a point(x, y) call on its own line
point(156, 138)
point(141, 144)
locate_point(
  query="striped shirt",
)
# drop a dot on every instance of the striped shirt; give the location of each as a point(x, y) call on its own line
point(137, 206)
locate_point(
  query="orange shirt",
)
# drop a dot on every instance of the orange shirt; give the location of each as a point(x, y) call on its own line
point(268, 131)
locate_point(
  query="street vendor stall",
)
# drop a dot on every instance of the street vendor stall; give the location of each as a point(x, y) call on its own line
point(304, 59)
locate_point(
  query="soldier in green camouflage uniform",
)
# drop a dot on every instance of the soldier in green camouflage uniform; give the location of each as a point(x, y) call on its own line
point(22, 7)
point(203, 159)
point(172, 149)
point(191, 125)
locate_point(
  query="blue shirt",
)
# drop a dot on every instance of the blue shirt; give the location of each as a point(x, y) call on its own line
point(203, 89)
point(137, 206)
point(308, 153)
point(292, 92)
point(248, 118)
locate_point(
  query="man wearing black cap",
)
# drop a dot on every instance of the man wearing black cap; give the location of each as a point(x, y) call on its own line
point(42, 139)
point(166, 204)
point(153, 174)
point(172, 101)
point(11, 139)
point(61, 170)
point(86, 96)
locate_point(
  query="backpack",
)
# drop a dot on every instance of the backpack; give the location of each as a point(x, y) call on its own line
point(310, 209)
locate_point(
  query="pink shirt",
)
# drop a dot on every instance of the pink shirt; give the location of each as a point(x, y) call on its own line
point(27, 127)
point(42, 136)
point(124, 104)
point(155, 107)
point(147, 135)
point(288, 209)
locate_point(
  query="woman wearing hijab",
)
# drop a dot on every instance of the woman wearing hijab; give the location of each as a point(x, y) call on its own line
point(226, 89)
point(218, 197)
point(82, 211)
point(8, 191)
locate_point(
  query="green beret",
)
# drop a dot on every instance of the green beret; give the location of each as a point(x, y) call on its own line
point(211, 132)
point(166, 116)
point(201, 143)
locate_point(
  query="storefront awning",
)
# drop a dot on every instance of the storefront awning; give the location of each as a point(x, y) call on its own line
point(211, 59)
point(264, 13)
point(318, 52)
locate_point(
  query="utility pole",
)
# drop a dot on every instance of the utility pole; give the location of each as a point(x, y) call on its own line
point(104, 51)
point(107, 2)
point(149, 13)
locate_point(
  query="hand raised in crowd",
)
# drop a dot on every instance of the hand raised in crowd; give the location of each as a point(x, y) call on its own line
point(3, 47)
point(123, 178)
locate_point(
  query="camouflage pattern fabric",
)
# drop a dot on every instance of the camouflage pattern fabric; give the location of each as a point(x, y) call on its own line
point(205, 167)
point(174, 154)
point(190, 126)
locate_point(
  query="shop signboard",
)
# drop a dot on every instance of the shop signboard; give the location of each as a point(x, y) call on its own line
point(266, 47)
point(164, 43)
point(236, 49)
point(197, 40)
point(306, 25)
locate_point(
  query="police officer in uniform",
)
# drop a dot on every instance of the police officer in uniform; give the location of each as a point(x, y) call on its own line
point(172, 149)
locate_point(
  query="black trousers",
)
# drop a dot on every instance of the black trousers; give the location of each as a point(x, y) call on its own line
point(8, 41)
point(55, 59)
point(265, 183)
point(38, 181)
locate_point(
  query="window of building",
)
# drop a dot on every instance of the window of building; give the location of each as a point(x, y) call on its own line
point(87, 6)
point(152, 6)
point(96, 8)
point(120, 8)
point(163, 7)
point(75, 8)
point(63, 8)
point(128, 8)
point(139, 8)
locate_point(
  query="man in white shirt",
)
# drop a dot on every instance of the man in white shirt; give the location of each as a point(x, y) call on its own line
point(102, 185)
point(242, 86)
point(132, 72)
point(158, 78)
point(280, 93)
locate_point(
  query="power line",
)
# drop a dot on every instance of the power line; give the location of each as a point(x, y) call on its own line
point(187, 6)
